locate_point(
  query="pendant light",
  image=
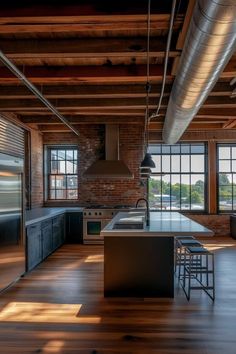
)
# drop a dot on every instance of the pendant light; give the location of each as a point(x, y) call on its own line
point(147, 162)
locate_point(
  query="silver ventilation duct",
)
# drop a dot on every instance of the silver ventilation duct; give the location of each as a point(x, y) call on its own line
point(209, 44)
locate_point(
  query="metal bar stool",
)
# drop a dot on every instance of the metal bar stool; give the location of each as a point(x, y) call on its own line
point(198, 275)
point(177, 246)
point(181, 257)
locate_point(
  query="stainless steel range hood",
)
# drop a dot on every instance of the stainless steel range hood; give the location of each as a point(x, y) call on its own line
point(111, 167)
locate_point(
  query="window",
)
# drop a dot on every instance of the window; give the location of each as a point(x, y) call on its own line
point(179, 180)
point(62, 173)
point(226, 177)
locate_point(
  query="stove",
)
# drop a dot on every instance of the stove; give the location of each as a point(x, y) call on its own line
point(95, 218)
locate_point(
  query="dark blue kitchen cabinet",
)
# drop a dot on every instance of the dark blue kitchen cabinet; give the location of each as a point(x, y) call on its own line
point(74, 227)
point(46, 232)
point(33, 246)
point(42, 238)
point(58, 231)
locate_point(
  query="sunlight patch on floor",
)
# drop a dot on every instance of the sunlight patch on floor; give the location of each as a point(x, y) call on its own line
point(44, 312)
point(96, 258)
point(53, 346)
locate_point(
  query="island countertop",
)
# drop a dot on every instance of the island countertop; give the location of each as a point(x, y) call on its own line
point(161, 224)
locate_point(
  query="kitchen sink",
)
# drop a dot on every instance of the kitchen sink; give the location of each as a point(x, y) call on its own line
point(128, 226)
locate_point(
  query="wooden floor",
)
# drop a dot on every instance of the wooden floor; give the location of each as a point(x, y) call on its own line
point(59, 308)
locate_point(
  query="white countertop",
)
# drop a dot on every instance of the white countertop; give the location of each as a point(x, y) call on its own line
point(161, 224)
point(40, 214)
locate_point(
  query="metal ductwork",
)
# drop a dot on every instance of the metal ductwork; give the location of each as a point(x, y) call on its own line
point(209, 44)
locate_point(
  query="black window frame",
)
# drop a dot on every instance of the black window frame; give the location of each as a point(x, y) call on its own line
point(231, 172)
point(205, 173)
point(47, 164)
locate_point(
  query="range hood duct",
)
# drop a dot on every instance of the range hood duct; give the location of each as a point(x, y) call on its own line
point(111, 167)
point(209, 44)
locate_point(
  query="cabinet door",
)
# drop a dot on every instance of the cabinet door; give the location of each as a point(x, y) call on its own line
point(47, 238)
point(74, 227)
point(33, 246)
point(58, 231)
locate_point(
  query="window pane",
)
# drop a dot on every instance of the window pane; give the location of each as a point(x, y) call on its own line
point(60, 182)
point(233, 152)
point(72, 182)
point(175, 149)
point(54, 165)
point(224, 152)
point(175, 163)
point(185, 192)
point(233, 165)
point(185, 163)
point(225, 179)
point(165, 197)
point(225, 198)
point(69, 154)
point(154, 149)
point(166, 163)
point(69, 167)
point(165, 149)
point(224, 166)
point(185, 148)
point(60, 194)
point(198, 149)
point(197, 163)
point(52, 182)
point(53, 154)
point(197, 192)
point(61, 167)
point(157, 160)
point(61, 154)
point(155, 192)
point(52, 194)
point(175, 192)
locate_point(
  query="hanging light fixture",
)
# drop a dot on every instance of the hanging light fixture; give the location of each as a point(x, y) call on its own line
point(147, 162)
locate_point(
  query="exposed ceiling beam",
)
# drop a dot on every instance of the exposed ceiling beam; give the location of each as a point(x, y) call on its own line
point(97, 91)
point(107, 103)
point(74, 74)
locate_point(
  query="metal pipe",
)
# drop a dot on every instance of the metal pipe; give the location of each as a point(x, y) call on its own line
point(156, 114)
point(209, 44)
point(34, 90)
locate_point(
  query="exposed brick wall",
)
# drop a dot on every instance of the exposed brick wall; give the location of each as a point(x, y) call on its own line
point(219, 224)
point(36, 168)
point(91, 147)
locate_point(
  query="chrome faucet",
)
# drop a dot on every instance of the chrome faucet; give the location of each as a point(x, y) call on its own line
point(147, 210)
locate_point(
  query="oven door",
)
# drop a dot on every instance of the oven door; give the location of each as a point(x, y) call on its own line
point(92, 229)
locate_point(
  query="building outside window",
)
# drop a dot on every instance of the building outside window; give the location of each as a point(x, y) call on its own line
point(179, 180)
point(62, 173)
point(226, 154)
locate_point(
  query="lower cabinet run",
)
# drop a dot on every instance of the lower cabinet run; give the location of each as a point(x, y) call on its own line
point(42, 238)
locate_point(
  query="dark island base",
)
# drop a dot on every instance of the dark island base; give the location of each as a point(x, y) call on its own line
point(139, 266)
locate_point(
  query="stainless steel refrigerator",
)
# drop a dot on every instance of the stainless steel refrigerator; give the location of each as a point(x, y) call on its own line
point(12, 245)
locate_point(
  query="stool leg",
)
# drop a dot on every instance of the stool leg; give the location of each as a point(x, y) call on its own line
point(189, 276)
point(207, 267)
point(213, 276)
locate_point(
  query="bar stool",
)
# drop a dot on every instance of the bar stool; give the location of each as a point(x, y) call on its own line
point(177, 246)
point(202, 272)
point(181, 258)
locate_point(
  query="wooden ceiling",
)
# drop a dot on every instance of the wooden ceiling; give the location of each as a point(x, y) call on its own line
point(89, 59)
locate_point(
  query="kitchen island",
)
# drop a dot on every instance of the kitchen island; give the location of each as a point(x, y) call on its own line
point(139, 259)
